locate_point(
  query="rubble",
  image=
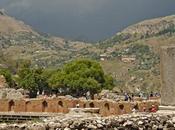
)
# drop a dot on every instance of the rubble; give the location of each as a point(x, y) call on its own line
point(10, 93)
point(138, 121)
point(3, 83)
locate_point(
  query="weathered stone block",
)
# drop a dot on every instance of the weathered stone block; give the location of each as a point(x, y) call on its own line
point(168, 75)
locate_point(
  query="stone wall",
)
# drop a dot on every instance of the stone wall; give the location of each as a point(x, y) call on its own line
point(62, 105)
point(168, 75)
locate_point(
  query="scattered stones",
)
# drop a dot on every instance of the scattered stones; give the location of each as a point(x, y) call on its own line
point(3, 83)
point(9, 93)
point(140, 121)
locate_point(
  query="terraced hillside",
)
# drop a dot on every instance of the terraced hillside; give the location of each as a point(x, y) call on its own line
point(131, 56)
point(135, 53)
point(18, 41)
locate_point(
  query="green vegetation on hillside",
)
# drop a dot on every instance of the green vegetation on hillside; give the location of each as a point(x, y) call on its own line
point(75, 78)
point(141, 42)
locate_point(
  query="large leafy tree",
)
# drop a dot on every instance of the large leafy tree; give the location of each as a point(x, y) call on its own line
point(32, 80)
point(80, 76)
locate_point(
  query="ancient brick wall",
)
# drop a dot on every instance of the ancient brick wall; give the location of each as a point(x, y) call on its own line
point(62, 105)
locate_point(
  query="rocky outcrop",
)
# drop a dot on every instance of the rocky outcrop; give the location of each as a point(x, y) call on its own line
point(2, 12)
point(9, 93)
point(125, 122)
point(107, 94)
point(3, 83)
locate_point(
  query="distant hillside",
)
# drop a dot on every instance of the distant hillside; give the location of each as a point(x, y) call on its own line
point(141, 41)
point(11, 25)
point(19, 41)
point(131, 56)
point(144, 29)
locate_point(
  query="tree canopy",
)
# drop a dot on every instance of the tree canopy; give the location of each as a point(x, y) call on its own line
point(79, 77)
point(75, 78)
point(32, 80)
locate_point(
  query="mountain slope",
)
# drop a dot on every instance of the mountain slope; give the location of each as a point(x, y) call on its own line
point(141, 41)
point(143, 30)
point(19, 41)
point(11, 25)
point(131, 56)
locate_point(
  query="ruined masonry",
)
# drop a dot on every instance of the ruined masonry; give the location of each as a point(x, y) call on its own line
point(168, 75)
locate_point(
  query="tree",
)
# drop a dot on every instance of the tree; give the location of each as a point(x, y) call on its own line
point(80, 76)
point(8, 76)
point(32, 80)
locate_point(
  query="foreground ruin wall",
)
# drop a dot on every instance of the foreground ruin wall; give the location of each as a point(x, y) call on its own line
point(62, 105)
point(168, 75)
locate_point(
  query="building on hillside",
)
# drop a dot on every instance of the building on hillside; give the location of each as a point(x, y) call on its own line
point(128, 59)
point(103, 57)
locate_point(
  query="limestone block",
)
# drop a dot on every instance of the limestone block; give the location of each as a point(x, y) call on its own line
point(168, 75)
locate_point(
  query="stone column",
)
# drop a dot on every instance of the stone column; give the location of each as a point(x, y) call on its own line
point(167, 69)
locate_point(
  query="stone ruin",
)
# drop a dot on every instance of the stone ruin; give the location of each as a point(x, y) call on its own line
point(3, 83)
point(63, 105)
point(9, 93)
point(168, 77)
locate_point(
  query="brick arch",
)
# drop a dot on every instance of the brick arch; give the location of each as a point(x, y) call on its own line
point(91, 105)
point(121, 109)
point(27, 105)
point(107, 106)
point(60, 104)
point(136, 106)
point(11, 105)
point(44, 106)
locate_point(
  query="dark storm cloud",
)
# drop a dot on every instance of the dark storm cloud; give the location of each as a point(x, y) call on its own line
point(88, 19)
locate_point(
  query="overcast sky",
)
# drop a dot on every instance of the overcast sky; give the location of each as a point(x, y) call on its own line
point(85, 19)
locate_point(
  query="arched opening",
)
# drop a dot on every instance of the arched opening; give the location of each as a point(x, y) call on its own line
point(91, 105)
point(60, 104)
point(107, 106)
point(11, 105)
point(84, 105)
point(60, 107)
point(136, 107)
point(44, 106)
point(121, 107)
point(27, 106)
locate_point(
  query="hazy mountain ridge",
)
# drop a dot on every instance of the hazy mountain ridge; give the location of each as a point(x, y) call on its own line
point(143, 30)
point(10, 25)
